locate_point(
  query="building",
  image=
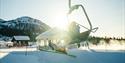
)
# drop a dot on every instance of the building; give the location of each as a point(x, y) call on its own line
point(53, 36)
point(20, 40)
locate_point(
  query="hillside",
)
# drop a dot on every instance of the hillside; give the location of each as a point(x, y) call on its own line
point(22, 26)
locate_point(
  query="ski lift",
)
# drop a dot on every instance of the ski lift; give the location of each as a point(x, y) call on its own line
point(84, 35)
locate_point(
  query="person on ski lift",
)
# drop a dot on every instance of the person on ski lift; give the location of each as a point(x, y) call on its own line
point(57, 48)
point(74, 32)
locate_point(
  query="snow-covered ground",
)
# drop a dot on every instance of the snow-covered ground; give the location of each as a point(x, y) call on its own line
point(84, 55)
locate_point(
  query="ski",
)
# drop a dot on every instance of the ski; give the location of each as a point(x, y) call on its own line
point(59, 53)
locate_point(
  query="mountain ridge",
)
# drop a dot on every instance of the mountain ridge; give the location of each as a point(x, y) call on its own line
point(24, 25)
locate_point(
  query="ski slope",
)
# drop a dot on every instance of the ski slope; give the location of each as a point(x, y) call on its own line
point(18, 55)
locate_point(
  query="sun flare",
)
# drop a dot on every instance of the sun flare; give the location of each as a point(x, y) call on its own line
point(60, 21)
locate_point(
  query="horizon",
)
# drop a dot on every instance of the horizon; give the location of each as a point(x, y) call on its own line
point(102, 13)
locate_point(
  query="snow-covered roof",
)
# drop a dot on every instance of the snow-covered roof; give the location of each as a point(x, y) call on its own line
point(53, 33)
point(21, 37)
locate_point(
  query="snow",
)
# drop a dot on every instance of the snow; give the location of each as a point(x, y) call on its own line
point(53, 33)
point(84, 55)
point(21, 37)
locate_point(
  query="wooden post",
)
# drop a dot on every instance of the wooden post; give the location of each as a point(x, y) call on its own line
point(26, 49)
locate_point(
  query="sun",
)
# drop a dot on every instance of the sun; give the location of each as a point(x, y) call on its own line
point(60, 21)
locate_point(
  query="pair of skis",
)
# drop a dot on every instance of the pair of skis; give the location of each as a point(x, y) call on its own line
point(53, 51)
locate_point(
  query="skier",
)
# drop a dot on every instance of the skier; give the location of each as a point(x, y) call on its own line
point(57, 48)
point(74, 32)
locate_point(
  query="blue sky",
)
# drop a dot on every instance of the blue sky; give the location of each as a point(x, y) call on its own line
point(108, 15)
